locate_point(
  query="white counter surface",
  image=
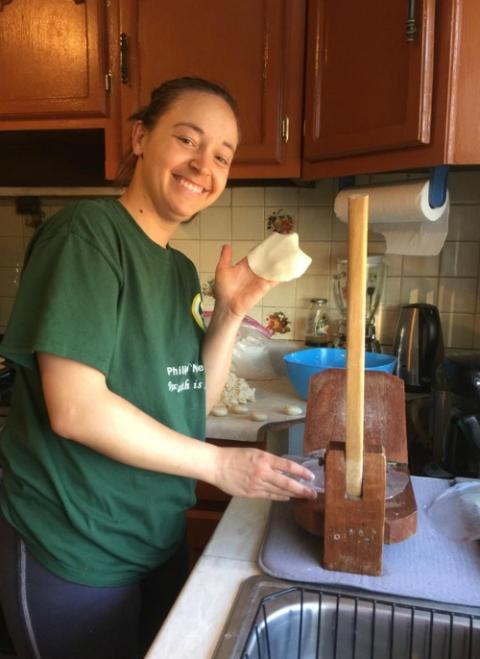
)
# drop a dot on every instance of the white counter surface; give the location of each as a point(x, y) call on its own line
point(195, 622)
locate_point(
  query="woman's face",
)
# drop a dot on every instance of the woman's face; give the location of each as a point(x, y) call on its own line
point(185, 159)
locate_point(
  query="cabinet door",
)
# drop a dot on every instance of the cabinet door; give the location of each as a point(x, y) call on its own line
point(254, 47)
point(52, 59)
point(369, 86)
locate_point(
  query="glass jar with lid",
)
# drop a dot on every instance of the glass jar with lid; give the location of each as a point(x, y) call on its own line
point(317, 332)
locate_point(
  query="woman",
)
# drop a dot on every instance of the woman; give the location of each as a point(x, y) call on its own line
point(114, 375)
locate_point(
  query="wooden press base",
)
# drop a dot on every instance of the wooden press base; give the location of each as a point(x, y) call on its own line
point(353, 527)
point(400, 520)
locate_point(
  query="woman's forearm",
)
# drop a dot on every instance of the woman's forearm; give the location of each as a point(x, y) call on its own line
point(217, 351)
point(81, 408)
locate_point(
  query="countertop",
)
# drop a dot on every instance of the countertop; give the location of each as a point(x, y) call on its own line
point(271, 398)
point(198, 617)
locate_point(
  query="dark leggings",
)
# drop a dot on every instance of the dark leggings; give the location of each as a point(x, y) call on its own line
point(50, 618)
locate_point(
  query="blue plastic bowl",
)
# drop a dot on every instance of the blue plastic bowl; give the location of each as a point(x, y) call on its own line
point(301, 365)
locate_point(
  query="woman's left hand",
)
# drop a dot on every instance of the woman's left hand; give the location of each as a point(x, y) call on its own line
point(237, 286)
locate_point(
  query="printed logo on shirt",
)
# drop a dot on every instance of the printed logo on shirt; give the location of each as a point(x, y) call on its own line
point(197, 311)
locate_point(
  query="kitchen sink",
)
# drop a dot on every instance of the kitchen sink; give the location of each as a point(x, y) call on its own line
point(275, 619)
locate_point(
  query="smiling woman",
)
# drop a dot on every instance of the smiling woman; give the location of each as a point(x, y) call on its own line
point(101, 448)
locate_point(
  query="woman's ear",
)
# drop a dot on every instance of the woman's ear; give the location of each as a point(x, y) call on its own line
point(138, 133)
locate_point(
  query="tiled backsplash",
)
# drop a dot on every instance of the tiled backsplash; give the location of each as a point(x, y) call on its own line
point(240, 217)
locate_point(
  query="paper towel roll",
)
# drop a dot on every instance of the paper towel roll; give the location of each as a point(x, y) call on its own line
point(401, 213)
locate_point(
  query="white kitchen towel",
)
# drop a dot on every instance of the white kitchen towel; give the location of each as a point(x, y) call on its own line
point(402, 213)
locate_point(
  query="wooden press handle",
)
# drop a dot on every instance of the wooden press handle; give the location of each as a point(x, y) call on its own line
point(356, 314)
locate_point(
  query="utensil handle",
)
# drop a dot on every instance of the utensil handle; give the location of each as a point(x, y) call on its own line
point(356, 313)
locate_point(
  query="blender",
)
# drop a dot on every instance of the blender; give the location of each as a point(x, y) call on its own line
point(376, 273)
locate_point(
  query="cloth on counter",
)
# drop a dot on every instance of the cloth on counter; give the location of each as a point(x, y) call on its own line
point(427, 565)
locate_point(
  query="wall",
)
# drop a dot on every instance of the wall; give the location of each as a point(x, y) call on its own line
point(449, 280)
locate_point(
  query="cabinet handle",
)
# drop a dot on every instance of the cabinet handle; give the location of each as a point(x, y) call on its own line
point(124, 58)
point(411, 24)
point(285, 129)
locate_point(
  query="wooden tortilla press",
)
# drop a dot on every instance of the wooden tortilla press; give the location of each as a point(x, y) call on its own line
point(359, 418)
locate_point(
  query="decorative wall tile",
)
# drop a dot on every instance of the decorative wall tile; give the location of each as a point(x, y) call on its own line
point(282, 220)
point(280, 320)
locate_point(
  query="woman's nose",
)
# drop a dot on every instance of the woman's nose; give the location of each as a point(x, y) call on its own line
point(200, 162)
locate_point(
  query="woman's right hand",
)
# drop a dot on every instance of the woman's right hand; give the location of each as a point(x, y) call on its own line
point(250, 472)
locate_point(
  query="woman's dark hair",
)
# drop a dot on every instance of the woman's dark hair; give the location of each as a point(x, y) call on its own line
point(161, 99)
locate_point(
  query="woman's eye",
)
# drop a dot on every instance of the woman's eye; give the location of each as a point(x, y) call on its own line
point(223, 160)
point(186, 140)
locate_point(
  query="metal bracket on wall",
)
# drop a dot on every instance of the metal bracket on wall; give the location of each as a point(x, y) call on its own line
point(437, 192)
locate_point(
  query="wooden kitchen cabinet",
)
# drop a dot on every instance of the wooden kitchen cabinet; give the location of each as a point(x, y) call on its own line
point(254, 47)
point(376, 101)
point(55, 59)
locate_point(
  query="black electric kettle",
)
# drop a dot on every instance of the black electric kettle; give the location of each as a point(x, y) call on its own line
point(418, 346)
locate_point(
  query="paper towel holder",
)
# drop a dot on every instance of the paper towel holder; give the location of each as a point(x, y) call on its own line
point(437, 191)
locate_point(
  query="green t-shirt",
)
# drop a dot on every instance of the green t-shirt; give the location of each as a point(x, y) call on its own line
point(97, 290)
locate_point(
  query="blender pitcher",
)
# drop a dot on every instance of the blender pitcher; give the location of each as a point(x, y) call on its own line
point(376, 273)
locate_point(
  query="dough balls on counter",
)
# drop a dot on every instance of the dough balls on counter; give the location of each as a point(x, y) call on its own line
point(278, 258)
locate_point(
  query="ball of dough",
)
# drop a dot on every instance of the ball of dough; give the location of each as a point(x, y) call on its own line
point(259, 416)
point(239, 409)
point(278, 258)
point(219, 410)
point(292, 410)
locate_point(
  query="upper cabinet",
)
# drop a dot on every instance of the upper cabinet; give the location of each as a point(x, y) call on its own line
point(53, 55)
point(325, 87)
point(254, 47)
point(391, 85)
point(55, 67)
